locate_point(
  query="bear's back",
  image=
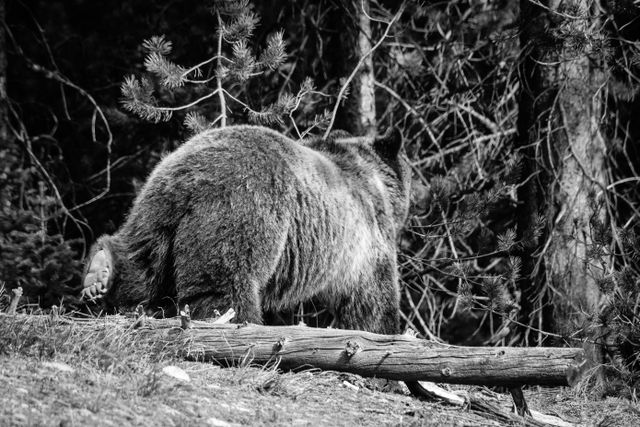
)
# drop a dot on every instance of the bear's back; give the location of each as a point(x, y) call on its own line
point(228, 149)
point(246, 169)
point(249, 159)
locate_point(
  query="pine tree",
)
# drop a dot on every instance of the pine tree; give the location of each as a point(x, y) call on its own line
point(216, 77)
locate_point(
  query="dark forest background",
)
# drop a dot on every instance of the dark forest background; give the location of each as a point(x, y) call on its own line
point(519, 118)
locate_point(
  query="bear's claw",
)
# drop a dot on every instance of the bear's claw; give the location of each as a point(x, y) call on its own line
point(95, 291)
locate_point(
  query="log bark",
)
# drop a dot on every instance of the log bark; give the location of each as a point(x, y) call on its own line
point(395, 357)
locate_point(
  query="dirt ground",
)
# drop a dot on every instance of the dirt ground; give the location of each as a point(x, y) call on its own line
point(51, 393)
point(61, 371)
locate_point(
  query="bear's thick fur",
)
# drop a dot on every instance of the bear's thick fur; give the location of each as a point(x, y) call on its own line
point(245, 217)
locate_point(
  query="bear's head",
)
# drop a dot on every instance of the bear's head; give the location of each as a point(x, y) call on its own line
point(390, 150)
point(381, 158)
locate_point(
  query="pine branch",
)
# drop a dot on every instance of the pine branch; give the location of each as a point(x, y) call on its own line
point(158, 44)
point(273, 113)
point(172, 75)
point(319, 121)
point(196, 122)
point(515, 266)
point(230, 7)
point(243, 63)
point(236, 28)
point(137, 97)
point(496, 291)
point(241, 28)
point(507, 240)
point(274, 55)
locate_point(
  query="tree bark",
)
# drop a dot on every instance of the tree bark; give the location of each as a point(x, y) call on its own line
point(357, 114)
point(395, 357)
point(534, 102)
point(563, 164)
point(3, 77)
point(364, 94)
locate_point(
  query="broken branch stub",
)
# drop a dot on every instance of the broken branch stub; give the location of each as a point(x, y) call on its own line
point(185, 317)
point(16, 294)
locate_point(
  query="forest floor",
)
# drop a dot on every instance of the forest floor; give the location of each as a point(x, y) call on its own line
point(57, 374)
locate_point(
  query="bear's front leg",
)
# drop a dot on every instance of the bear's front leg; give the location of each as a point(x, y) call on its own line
point(245, 302)
point(373, 304)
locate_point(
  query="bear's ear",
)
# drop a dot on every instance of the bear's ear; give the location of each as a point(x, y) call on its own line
point(389, 144)
point(98, 271)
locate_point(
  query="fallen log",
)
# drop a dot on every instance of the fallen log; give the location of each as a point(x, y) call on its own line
point(394, 357)
point(399, 357)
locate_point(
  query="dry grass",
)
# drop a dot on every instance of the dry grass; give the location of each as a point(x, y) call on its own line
point(60, 372)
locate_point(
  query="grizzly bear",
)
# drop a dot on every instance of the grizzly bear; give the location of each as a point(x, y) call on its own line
point(247, 218)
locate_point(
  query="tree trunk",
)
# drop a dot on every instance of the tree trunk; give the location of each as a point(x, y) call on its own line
point(357, 114)
point(563, 165)
point(363, 95)
point(4, 135)
point(578, 195)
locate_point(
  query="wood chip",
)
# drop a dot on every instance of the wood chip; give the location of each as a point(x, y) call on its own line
point(177, 373)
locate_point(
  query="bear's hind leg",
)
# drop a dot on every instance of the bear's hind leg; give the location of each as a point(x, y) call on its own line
point(208, 305)
point(225, 262)
point(208, 287)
